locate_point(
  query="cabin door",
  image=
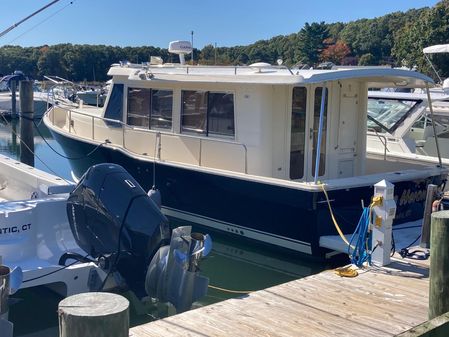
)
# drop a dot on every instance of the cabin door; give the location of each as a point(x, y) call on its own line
point(314, 111)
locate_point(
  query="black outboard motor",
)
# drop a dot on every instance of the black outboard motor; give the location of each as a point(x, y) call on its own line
point(113, 219)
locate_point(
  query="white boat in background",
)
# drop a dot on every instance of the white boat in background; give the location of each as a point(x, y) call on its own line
point(94, 96)
point(40, 102)
point(438, 49)
point(44, 95)
point(400, 124)
point(248, 150)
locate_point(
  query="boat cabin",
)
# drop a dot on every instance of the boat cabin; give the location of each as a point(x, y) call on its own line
point(259, 120)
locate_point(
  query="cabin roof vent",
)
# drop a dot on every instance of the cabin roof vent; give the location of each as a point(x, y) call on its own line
point(258, 66)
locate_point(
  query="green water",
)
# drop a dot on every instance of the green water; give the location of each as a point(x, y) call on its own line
point(232, 264)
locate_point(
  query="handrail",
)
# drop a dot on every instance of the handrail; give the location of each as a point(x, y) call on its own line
point(189, 68)
point(125, 127)
point(374, 132)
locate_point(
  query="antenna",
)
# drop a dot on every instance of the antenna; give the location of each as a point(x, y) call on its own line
point(181, 48)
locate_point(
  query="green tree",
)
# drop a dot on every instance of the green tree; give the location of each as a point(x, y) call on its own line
point(310, 42)
point(431, 27)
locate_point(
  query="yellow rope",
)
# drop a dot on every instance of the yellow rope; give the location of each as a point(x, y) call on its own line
point(337, 227)
point(231, 291)
point(347, 271)
point(376, 201)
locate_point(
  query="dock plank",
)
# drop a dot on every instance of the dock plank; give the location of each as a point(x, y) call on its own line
point(379, 302)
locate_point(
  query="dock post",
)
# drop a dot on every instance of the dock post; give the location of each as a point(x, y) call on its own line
point(6, 327)
point(382, 223)
point(425, 231)
point(26, 122)
point(13, 99)
point(439, 264)
point(94, 314)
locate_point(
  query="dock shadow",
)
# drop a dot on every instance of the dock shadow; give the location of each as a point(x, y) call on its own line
point(403, 269)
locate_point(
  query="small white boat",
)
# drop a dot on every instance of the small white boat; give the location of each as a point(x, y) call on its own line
point(40, 103)
point(103, 233)
point(40, 99)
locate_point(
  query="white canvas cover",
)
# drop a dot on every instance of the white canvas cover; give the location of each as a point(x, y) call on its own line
point(439, 48)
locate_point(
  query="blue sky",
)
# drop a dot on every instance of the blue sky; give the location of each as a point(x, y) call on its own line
point(157, 22)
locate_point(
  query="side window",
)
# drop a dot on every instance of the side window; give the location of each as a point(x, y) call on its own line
point(208, 113)
point(161, 109)
point(114, 110)
point(316, 123)
point(150, 108)
point(297, 135)
point(220, 114)
point(194, 110)
point(139, 107)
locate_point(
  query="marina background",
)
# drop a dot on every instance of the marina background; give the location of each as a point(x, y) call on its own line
point(232, 265)
point(390, 33)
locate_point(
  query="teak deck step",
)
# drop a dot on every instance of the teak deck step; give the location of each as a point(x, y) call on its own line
point(380, 302)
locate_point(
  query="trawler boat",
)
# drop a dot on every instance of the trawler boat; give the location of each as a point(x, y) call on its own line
point(248, 150)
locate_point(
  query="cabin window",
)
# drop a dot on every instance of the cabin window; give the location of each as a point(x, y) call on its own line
point(161, 109)
point(316, 124)
point(298, 127)
point(150, 108)
point(208, 113)
point(139, 107)
point(114, 110)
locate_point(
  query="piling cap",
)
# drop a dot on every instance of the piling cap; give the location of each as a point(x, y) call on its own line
point(441, 214)
point(385, 188)
point(384, 184)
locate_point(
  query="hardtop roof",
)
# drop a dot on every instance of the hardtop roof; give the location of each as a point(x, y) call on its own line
point(375, 77)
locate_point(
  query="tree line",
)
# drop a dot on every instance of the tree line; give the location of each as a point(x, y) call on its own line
point(395, 39)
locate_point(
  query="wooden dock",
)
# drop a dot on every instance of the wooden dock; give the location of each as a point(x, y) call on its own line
point(379, 302)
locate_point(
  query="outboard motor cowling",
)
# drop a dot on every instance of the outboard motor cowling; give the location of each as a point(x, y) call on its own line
point(111, 215)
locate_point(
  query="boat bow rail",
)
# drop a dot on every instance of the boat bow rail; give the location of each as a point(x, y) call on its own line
point(151, 144)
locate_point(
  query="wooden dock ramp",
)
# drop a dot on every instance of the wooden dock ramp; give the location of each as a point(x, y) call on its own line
point(379, 302)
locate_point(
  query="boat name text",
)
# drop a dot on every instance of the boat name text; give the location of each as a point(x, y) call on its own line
point(15, 229)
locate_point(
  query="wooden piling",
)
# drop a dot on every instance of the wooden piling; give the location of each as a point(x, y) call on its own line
point(13, 99)
point(94, 315)
point(439, 264)
point(425, 232)
point(26, 122)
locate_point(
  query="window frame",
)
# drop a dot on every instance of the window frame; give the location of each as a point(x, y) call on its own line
point(150, 106)
point(206, 131)
point(305, 155)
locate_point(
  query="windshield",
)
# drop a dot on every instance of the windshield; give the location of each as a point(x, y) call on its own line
point(388, 114)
